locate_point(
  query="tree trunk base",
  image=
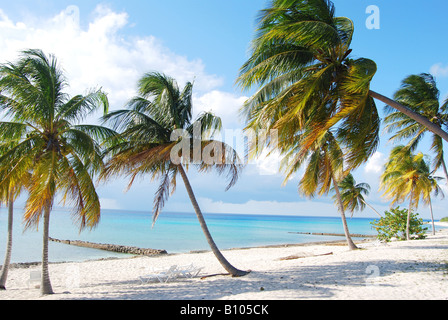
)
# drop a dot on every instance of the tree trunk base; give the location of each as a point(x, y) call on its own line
point(222, 260)
point(240, 273)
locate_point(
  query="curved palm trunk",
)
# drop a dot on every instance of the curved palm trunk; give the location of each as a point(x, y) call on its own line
point(229, 268)
point(45, 287)
point(5, 268)
point(411, 114)
point(350, 242)
point(371, 208)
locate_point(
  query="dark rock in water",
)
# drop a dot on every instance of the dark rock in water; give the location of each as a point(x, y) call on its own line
point(112, 247)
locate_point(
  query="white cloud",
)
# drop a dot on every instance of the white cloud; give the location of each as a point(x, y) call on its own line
point(223, 104)
point(268, 163)
point(109, 204)
point(439, 70)
point(376, 163)
point(299, 208)
point(99, 55)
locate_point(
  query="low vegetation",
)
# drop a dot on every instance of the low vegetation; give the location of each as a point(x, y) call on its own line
point(393, 225)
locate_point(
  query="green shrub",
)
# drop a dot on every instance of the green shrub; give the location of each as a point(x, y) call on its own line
point(444, 219)
point(393, 225)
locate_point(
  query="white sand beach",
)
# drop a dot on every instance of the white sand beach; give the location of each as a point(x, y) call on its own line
point(415, 269)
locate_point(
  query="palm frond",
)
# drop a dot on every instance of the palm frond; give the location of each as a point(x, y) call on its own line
point(79, 107)
point(223, 159)
point(161, 196)
point(78, 189)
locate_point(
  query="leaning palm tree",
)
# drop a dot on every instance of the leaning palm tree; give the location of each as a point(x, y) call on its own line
point(59, 154)
point(324, 167)
point(158, 138)
point(300, 61)
point(420, 94)
point(407, 177)
point(352, 194)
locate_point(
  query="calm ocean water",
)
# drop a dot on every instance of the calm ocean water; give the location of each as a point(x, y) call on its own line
point(174, 232)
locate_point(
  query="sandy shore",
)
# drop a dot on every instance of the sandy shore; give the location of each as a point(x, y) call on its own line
point(398, 270)
point(441, 224)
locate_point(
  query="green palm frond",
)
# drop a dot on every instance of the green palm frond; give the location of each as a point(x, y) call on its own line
point(206, 123)
point(80, 106)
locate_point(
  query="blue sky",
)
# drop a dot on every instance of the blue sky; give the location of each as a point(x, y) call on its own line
point(112, 43)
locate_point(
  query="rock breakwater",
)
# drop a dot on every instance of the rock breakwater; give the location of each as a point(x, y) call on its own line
point(112, 247)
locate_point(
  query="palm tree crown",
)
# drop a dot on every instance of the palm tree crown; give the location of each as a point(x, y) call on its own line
point(353, 193)
point(43, 139)
point(420, 94)
point(407, 177)
point(301, 62)
point(148, 143)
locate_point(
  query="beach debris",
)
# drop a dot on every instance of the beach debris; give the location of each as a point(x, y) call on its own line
point(215, 275)
point(112, 247)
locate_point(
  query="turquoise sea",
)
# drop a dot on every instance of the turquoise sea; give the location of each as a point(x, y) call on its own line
point(174, 232)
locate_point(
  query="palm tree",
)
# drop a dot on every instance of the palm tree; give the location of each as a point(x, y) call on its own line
point(5, 268)
point(300, 60)
point(407, 176)
point(352, 194)
point(12, 190)
point(60, 155)
point(420, 94)
point(158, 138)
point(324, 167)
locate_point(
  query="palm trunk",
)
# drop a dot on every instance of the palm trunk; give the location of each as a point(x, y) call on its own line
point(45, 287)
point(5, 268)
point(350, 242)
point(432, 217)
point(408, 223)
point(229, 268)
point(371, 208)
point(411, 114)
